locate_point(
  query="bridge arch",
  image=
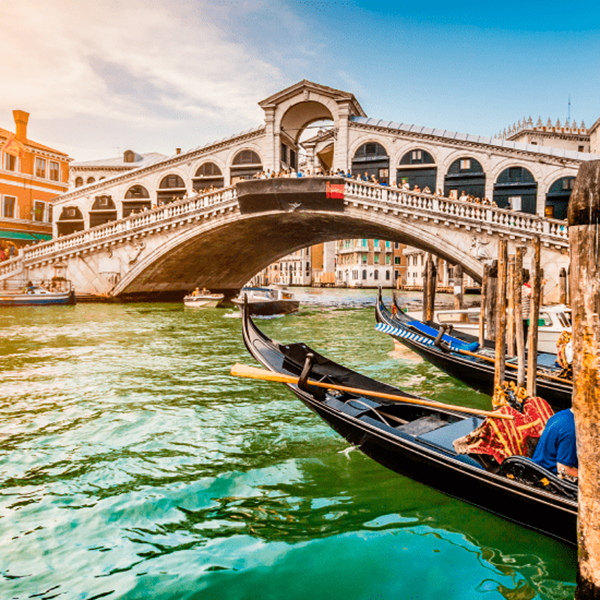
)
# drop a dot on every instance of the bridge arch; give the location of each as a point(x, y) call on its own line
point(272, 235)
point(371, 156)
point(466, 174)
point(558, 196)
point(418, 166)
point(516, 187)
point(170, 188)
point(245, 163)
point(70, 220)
point(208, 173)
point(136, 198)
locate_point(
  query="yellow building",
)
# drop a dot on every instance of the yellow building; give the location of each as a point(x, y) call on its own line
point(31, 177)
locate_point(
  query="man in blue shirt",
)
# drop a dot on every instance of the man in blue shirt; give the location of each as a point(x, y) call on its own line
point(557, 448)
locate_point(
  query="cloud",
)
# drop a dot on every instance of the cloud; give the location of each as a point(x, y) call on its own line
point(145, 64)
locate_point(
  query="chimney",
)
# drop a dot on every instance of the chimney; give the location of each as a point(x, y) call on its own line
point(21, 118)
point(177, 150)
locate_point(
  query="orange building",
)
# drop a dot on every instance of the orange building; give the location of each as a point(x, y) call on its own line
point(31, 177)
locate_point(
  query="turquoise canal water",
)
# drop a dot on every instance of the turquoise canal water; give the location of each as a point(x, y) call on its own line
point(133, 466)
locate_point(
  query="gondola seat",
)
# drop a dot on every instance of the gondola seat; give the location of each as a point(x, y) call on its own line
point(443, 438)
point(524, 470)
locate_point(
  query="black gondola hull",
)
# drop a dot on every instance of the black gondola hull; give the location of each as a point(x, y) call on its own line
point(532, 507)
point(478, 375)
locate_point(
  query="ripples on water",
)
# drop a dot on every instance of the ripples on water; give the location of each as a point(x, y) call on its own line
point(133, 466)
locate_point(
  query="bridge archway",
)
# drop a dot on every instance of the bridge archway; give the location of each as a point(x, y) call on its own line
point(171, 188)
point(246, 163)
point(173, 266)
point(557, 198)
point(465, 174)
point(516, 188)
point(103, 211)
point(70, 220)
point(136, 198)
point(417, 168)
point(372, 158)
point(208, 175)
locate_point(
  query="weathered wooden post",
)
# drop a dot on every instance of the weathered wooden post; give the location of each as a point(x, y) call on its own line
point(510, 315)
point(458, 284)
point(534, 316)
point(584, 232)
point(429, 286)
point(562, 283)
point(519, 331)
point(490, 324)
point(427, 275)
point(483, 303)
point(500, 362)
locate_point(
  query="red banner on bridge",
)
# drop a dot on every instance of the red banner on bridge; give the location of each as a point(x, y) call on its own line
point(335, 190)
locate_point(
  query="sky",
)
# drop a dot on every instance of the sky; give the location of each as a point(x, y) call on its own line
point(103, 76)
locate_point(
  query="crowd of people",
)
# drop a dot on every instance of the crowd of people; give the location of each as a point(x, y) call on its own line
point(8, 252)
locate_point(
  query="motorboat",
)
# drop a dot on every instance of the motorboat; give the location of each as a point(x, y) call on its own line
point(553, 320)
point(460, 355)
point(202, 299)
point(38, 295)
point(416, 440)
point(266, 301)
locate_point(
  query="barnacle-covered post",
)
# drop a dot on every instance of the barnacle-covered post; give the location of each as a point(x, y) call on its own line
point(584, 234)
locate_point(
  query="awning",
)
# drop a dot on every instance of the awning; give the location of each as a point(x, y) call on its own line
point(24, 235)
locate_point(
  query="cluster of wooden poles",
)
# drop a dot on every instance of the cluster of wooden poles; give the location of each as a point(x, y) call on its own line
point(500, 317)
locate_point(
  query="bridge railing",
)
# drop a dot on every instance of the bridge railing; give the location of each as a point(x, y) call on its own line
point(130, 224)
point(440, 206)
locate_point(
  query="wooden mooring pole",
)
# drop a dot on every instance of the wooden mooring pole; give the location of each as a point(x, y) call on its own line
point(458, 284)
point(584, 241)
point(429, 287)
point(534, 316)
point(490, 309)
point(519, 331)
point(483, 304)
point(500, 361)
point(562, 283)
point(510, 315)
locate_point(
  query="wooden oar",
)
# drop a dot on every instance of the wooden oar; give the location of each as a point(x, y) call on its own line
point(254, 373)
point(539, 373)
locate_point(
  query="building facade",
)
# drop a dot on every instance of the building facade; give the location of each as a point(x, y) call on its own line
point(32, 176)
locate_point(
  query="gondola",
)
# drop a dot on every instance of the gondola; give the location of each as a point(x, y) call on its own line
point(417, 441)
point(477, 373)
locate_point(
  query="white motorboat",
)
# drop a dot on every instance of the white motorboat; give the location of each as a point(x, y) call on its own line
point(552, 322)
point(38, 295)
point(267, 301)
point(202, 299)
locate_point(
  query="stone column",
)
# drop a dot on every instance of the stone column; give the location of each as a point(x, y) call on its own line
point(269, 158)
point(584, 241)
point(340, 158)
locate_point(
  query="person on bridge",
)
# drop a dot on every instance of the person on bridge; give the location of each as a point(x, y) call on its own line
point(557, 448)
point(463, 197)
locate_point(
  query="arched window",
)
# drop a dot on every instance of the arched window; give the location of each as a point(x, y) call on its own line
point(247, 157)
point(103, 211)
point(90, 180)
point(208, 175)
point(246, 163)
point(137, 198)
point(465, 175)
point(78, 182)
point(364, 274)
point(371, 159)
point(129, 156)
point(516, 188)
point(70, 221)
point(387, 275)
point(417, 168)
point(171, 188)
point(557, 198)
point(376, 274)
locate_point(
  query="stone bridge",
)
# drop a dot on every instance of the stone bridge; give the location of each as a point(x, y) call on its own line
point(219, 240)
